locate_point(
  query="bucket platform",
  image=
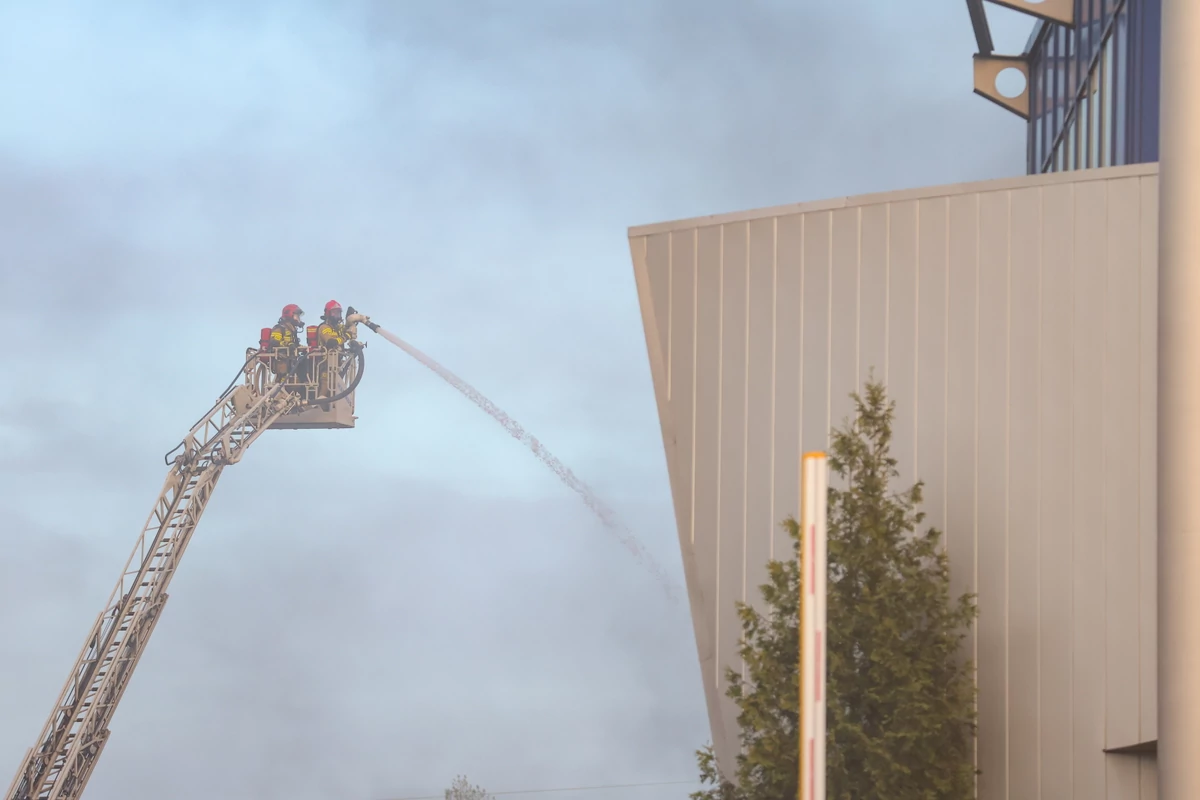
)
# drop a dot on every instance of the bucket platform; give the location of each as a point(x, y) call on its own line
point(325, 379)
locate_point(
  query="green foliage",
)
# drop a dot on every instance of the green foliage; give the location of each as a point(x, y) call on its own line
point(900, 703)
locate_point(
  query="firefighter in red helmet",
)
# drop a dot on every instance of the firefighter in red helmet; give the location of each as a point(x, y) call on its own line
point(332, 333)
point(286, 337)
point(286, 332)
point(333, 336)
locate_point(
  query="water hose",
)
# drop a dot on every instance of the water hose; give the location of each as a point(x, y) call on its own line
point(362, 366)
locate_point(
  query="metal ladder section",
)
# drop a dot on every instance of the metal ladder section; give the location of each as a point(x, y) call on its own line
point(71, 741)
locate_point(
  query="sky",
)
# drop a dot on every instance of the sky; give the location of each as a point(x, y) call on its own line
point(365, 614)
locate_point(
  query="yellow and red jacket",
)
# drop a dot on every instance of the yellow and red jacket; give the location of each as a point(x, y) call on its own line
point(284, 335)
point(332, 336)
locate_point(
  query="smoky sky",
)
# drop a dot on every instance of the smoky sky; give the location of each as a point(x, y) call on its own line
point(365, 614)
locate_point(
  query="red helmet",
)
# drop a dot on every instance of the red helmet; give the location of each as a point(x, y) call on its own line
point(331, 305)
point(293, 312)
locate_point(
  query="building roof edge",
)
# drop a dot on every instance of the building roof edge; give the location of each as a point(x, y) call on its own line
point(994, 185)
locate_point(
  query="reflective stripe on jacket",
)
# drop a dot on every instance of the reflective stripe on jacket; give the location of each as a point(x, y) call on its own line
point(284, 335)
point(332, 335)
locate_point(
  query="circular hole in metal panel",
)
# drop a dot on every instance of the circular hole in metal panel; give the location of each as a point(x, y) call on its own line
point(1010, 82)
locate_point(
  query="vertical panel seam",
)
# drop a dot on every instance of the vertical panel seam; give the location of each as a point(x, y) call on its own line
point(720, 437)
point(1141, 477)
point(1071, 502)
point(746, 426)
point(858, 236)
point(887, 293)
point(1104, 459)
point(695, 361)
point(670, 308)
point(774, 368)
point(916, 343)
point(1007, 503)
point(946, 391)
point(803, 323)
point(975, 492)
point(828, 331)
point(1104, 369)
point(1038, 536)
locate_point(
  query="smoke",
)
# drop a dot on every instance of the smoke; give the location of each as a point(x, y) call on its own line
point(605, 514)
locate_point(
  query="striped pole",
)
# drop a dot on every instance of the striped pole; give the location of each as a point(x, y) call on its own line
point(813, 570)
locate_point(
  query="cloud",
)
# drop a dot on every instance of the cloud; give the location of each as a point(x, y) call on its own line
point(367, 613)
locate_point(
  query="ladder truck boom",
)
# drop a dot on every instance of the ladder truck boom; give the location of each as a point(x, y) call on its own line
point(59, 765)
point(314, 390)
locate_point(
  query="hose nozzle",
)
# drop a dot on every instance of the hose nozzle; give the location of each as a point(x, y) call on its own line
point(354, 318)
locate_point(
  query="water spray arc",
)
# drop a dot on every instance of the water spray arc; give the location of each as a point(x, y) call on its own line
point(605, 514)
point(286, 387)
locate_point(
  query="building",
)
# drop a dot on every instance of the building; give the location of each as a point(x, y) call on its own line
point(1014, 322)
point(1094, 87)
point(1091, 78)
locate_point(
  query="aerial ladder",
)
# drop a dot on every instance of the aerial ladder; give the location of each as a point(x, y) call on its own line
point(277, 388)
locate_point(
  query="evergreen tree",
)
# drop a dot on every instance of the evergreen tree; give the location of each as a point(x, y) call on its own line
point(900, 702)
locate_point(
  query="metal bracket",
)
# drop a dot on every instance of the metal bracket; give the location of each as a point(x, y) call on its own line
point(1060, 11)
point(988, 68)
point(979, 23)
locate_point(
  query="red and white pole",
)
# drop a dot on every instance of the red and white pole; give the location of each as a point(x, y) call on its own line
point(814, 478)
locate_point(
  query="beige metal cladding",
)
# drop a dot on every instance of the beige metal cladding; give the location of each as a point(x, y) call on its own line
point(1014, 323)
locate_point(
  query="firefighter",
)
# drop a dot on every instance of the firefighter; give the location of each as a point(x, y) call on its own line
point(332, 336)
point(286, 338)
point(286, 332)
point(332, 333)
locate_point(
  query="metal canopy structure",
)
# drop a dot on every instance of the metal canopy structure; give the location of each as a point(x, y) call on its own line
point(979, 22)
point(988, 65)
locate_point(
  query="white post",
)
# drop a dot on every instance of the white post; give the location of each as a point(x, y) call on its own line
point(814, 478)
point(1179, 405)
